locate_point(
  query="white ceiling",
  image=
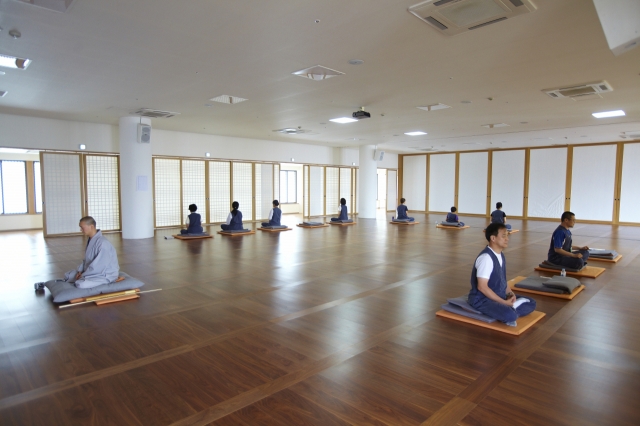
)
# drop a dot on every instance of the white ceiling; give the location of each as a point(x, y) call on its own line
point(102, 59)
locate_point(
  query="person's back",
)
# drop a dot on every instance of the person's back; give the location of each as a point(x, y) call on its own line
point(452, 217)
point(236, 221)
point(497, 216)
point(275, 215)
point(195, 224)
point(402, 212)
point(344, 215)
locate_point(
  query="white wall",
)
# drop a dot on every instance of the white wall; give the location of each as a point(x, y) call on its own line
point(507, 181)
point(472, 187)
point(442, 182)
point(593, 176)
point(414, 181)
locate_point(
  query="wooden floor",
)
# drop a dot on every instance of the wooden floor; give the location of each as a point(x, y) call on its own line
point(324, 326)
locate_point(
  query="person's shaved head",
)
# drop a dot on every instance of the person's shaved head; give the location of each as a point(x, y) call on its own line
point(88, 220)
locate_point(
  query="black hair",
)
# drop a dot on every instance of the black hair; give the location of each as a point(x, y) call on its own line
point(402, 200)
point(343, 201)
point(276, 203)
point(88, 220)
point(453, 209)
point(193, 208)
point(235, 206)
point(498, 205)
point(493, 229)
point(566, 215)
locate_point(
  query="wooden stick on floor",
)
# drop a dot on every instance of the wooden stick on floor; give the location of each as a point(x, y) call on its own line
point(107, 297)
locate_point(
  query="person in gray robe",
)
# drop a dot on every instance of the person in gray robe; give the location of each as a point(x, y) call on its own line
point(100, 265)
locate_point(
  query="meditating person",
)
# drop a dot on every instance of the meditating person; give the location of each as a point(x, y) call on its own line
point(498, 216)
point(343, 212)
point(100, 265)
point(234, 219)
point(489, 290)
point(401, 212)
point(274, 215)
point(561, 250)
point(194, 225)
point(453, 217)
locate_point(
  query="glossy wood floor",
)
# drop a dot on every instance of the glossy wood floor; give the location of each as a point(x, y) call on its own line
point(324, 326)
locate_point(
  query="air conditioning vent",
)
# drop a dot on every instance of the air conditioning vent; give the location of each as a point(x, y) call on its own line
point(580, 91)
point(451, 17)
point(154, 113)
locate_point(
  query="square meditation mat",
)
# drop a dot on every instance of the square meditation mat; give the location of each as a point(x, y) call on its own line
point(524, 323)
point(586, 272)
point(511, 283)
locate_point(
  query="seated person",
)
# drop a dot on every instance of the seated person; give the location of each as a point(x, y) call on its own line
point(234, 219)
point(489, 290)
point(342, 210)
point(100, 265)
point(194, 226)
point(274, 215)
point(453, 217)
point(401, 211)
point(561, 248)
point(498, 216)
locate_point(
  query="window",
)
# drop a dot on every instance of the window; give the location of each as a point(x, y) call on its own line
point(37, 186)
point(288, 186)
point(14, 187)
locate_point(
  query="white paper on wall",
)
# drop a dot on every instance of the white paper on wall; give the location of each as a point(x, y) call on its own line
point(414, 181)
point(547, 178)
point(507, 181)
point(472, 188)
point(630, 190)
point(593, 175)
point(392, 189)
point(442, 182)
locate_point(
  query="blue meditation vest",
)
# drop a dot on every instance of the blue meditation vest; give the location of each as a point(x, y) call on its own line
point(497, 216)
point(236, 221)
point(402, 212)
point(275, 218)
point(497, 280)
point(343, 213)
point(566, 245)
point(195, 226)
point(452, 217)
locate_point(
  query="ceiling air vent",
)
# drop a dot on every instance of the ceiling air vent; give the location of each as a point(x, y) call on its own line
point(55, 5)
point(154, 113)
point(580, 91)
point(317, 72)
point(228, 99)
point(291, 131)
point(451, 17)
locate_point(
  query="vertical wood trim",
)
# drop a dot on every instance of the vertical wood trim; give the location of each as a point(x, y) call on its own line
point(83, 185)
point(308, 191)
point(253, 190)
point(354, 189)
point(525, 199)
point(44, 200)
point(489, 180)
point(153, 190)
point(207, 191)
point(31, 189)
point(617, 188)
point(231, 200)
point(324, 196)
point(457, 184)
point(119, 193)
point(426, 191)
point(181, 195)
point(567, 191)
point(400, 177)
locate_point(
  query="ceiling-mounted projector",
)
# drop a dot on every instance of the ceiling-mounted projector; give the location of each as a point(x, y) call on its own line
point(361, 114)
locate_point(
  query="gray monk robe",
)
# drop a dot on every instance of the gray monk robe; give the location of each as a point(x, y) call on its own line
point(100, 264)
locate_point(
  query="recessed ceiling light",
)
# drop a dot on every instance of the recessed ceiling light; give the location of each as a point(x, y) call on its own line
point(343, 120)
point(416, 133)
point(227, 99)
point(356, 62)
point(13, 62)
point(317, 72)
point(607, 114)
point(434, 107)
point(492, 126)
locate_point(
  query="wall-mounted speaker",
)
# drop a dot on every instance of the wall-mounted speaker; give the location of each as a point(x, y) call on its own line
point(378, 155)
point(144, 133)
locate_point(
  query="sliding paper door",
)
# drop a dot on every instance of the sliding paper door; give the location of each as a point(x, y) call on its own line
point(62, 193)
point(547, 179)
point(507, 181)
point(392, 189)
point(103, 190)
point(332, 200)
point(316, 191)
point(193, 188)
point(414, 181)
point(442, 182)
point(593, 176)
point(472, 187)
point(243, 189)
point(630, 193)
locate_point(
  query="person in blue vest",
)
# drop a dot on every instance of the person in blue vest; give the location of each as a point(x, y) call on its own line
point(561, 250)
point(274, 215)
point(401, 211)
point(194, 224)
point(234, 219)
point(343, 211)
point(453, 217)
point(498, 216)
point(490, 293)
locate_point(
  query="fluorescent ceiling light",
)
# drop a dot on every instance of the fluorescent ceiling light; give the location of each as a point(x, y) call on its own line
point(13, 62)
point(607, 114)
point(343, 120)
point(416, 133)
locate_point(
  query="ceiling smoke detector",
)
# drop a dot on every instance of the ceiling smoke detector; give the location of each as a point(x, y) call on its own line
point(317, 72)
point(154, 113)
point(227, 99)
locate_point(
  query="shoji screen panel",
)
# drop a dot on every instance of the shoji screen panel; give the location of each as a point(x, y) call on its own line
point(62, 193)
point(166, 178)
point(414, 181)
point(333, 192)
point(442, 182)
point(316, 190)
point(507, 181)
point(264, 190)
point(243, 188)
point(257, 191)
point(276, 180)
point(593, 176)
point(392, 189)
point(103, 192)
point(346, 187)
point(193, 187)
point(472, 184)
point(547, 177)
point(219, 190)
point(305, 191)
point(630, 193)
point(356, 184)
